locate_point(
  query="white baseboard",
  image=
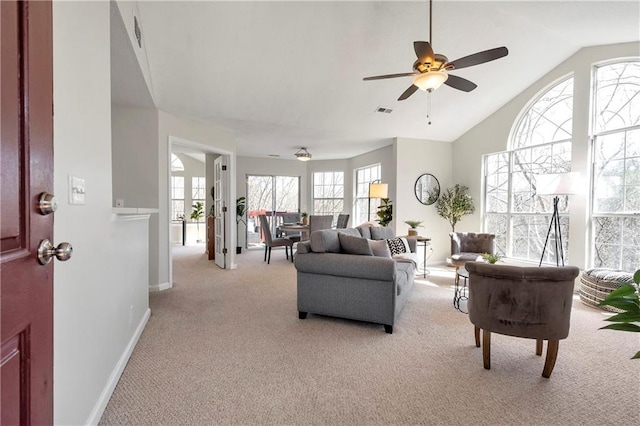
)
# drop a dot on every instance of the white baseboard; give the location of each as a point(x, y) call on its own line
point(102, 402)
point(159, 287)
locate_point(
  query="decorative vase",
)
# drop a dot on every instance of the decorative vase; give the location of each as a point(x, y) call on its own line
point(413, 232)
point(304, 220)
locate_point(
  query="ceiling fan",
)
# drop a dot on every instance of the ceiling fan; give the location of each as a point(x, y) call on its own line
point(431, 70)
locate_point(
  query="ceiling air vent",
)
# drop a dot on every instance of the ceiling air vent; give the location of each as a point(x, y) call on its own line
point(274, 155)
point(137, 31)
point(384, 110)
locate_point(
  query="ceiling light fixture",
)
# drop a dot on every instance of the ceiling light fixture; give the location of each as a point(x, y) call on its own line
point(303, 154)
point(430, 80)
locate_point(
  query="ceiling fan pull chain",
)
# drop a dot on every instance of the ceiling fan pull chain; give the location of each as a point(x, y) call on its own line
point(429, 107)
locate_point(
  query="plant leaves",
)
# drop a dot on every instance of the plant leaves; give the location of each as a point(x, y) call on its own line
point(622, 327)
point(625, 317)
point(636, 277)
point(625, 290)
point(620, 303)
point(636, 356)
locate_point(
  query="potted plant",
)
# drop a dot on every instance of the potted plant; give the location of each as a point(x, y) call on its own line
point(413, 227)
point(490, 257)
point(305, 218)
point(196, 214)
point(241, 209)
point(626, 299)
point(385, 212)
point(455, 203)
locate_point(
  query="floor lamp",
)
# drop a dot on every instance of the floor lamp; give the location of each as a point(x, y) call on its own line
point(555, 184)
point(376, 190)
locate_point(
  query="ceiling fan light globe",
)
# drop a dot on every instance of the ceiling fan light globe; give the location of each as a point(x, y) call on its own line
point(431, 80)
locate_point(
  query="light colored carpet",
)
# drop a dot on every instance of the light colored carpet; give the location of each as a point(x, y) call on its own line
point(227, 347)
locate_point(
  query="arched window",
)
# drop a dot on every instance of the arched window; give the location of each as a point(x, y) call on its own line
point(615, 210)
point(176, 164)
point(540, 144)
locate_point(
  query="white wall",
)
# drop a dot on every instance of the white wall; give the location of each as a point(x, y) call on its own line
point(492, 135)
point(129, 9)
point(100, 303)
point(414, 158)
point(134, 156)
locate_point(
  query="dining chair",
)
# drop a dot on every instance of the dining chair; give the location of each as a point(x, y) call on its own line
point(269, 241)
point(291, 218)
point(318, 222)
point(343, 220)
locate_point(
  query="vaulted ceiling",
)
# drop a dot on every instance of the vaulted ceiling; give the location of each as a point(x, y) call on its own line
point(284, 75)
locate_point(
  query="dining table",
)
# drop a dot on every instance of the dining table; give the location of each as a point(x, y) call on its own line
point(295, 227)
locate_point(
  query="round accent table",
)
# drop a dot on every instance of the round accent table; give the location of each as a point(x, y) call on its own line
point(460, 293)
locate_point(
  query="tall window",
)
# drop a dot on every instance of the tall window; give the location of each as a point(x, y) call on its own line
point(364, 176)
point(177, 197)
point(328, 193)
point(540, 144)
point(616, 170)
point(198, 191)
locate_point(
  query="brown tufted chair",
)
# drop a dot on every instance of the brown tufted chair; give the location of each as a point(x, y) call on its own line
point(529, 302)
point(468, 247)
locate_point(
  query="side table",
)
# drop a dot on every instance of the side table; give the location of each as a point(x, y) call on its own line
point(460, 292)
point(425, 242)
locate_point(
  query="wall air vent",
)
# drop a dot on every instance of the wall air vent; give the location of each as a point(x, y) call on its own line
point(384, 110)
point(137, 31)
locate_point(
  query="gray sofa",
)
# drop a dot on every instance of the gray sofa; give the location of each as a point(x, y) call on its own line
point(334, 281)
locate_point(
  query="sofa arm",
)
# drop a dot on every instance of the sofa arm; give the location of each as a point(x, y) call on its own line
point(303, 247)
point(347, 265)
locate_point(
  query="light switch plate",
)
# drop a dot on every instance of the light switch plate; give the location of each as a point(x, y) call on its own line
point(76, 190)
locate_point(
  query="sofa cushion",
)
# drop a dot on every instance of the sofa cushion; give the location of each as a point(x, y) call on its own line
point(382, 233)
point(398, 245)
point(364, 230)
point(354, 245)
point(326, 240)
point(380, 248)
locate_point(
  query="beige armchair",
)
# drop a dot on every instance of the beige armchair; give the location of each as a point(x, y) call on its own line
point(529, 302)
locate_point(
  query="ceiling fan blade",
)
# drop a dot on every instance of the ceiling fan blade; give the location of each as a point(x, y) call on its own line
point(479, 58)
point(424, 52)
point(410, 91)
point(380, 77)
point(460, 83)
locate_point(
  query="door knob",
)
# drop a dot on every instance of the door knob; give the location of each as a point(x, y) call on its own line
point(47, 204)
point(46, 251)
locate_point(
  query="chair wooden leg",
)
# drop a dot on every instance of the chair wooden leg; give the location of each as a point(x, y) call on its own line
point(486, 349)
point(539, 347)
point(286, 251)
point(476, 332)
point(552, 354)
point(269, 257)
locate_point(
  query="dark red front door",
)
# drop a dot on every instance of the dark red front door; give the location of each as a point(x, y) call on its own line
point(26, 287)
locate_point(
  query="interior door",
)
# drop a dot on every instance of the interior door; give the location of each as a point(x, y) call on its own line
point(27, 171)
point(219, 182)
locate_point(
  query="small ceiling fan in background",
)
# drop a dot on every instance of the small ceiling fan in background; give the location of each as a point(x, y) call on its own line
point(431, 70)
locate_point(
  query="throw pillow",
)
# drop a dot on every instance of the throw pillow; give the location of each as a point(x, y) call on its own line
point(398, 245)
point(380, 248)
point(354, 245)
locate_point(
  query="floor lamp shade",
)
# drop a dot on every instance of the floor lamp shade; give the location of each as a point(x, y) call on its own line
point(558, 184)
point(378, 190)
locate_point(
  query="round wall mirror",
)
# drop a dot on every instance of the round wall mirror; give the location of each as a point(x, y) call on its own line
point(427, 189)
